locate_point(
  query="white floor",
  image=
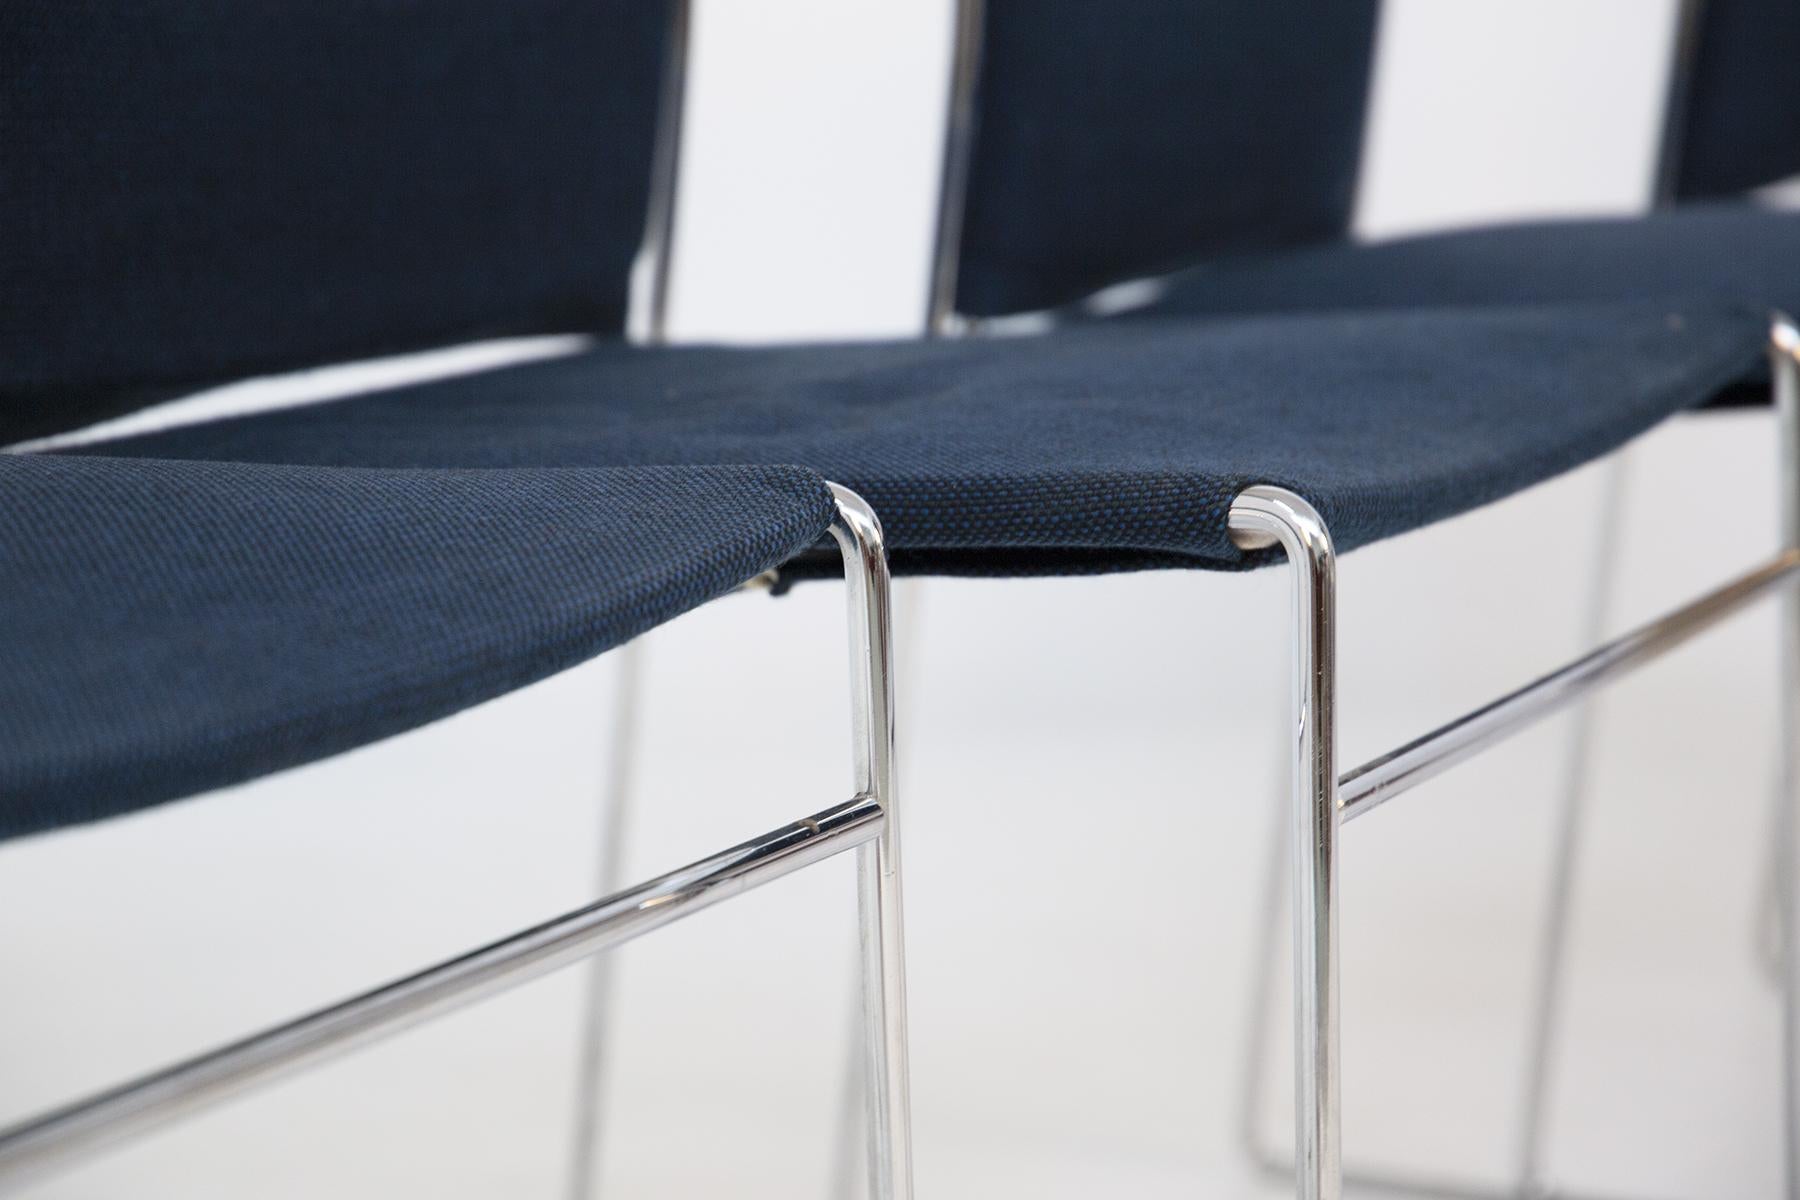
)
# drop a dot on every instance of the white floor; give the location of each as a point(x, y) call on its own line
point(1090, 768)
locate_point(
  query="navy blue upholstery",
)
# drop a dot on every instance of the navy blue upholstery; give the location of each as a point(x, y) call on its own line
point(259, 185)
point(1106, 446)
point(1116, 142)
point(1120, 138)
point(1727, 252)
point(171, 627)
point(198, 190)
point(1740, 124)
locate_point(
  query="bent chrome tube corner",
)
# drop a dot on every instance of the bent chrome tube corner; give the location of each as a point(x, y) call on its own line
point(1263, 516)
point(868, 591)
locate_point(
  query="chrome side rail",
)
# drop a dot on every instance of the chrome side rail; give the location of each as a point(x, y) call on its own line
point(167, 1095)
point(1379, 780)
point(1270, 516)
point(1784, 370)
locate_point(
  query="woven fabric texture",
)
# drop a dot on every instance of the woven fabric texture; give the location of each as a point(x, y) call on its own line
point(1102, 447)
point(1123, 138)
point(170, 627)
point(198, 190)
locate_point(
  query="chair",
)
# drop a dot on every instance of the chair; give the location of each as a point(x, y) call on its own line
point(1109, 492)
point(195, 193)
point(1149, 233)
point(1084, 148)
point(1160, 442)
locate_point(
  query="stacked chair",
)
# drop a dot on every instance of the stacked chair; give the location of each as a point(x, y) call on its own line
point(1097, 168)
point(197, 194)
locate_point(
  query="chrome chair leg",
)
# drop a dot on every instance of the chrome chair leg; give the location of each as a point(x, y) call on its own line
point(1784, 361)
point(1262, 985)
point(1769, 935)
point(1553, 948)
point(1381, 779)
point(1553, 953)
point(597, 1002)
point(842, 1175)
point(889, 1104)
point(1262, 517)
point(57, 1138)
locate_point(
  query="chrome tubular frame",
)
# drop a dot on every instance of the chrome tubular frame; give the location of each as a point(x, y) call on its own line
point(1366, 787)
point(1381, 779)
point(953, 180)
point(145, 1103)
point(650, 325)
point(1565, 850)
point(1261, 517)
point(941, 321)
point(847, 1137)
point(656, 258)
point(596, 1008)
point(1784, 363)
point(888, 1089)
point(1683, 49)
point(1769, 935)
point(866, 822)
point(1554, 944)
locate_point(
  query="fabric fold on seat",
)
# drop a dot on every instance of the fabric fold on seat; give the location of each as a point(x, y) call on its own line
point(1107, 446)
point(172, 627)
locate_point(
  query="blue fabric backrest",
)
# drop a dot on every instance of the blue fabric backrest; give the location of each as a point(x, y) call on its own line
point(1117, 138)
point(1742, 124)
point(195, 190)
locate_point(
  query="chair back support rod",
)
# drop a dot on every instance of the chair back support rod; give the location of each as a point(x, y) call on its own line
point(1273, 515)
point(656, 258)
point(888, 1102)
point(1784, 371)
point(1380, 780)
point(1683, 47)
point(35, 1146)
point(953, 179)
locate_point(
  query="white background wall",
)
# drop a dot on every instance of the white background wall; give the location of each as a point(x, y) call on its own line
point(1089, 765)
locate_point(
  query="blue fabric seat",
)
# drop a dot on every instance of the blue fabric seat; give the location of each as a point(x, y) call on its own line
point(1108, 446)
point(193, 193)
point(207, 604)
point(1732, 252)
point(1208, 146)
point(170, 627)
